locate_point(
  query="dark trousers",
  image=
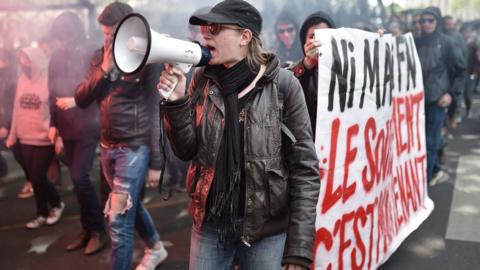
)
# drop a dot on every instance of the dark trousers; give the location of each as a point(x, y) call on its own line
point(3, 165)
point(36, 160)
point(434, 119)
point(80, 155)
point(470, 86)
point(17, 155)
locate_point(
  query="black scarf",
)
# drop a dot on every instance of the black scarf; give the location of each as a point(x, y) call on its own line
point(224, 195)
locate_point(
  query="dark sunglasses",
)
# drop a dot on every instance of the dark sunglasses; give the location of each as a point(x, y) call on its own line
point(430, 21)
point(215, 29)
point(286, 30)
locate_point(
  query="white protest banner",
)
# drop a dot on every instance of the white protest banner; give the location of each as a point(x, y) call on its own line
point(370, 141)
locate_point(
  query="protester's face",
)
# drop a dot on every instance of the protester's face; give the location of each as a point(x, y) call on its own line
point(287, 33)
point(429, 23)
point(226, 43)
point(108, 32)
point(449, 25)
point(311, 31)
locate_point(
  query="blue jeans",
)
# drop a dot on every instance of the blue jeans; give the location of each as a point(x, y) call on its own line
point(206, 253)
point(434, 120)
point(80, 155)
point(124, 169)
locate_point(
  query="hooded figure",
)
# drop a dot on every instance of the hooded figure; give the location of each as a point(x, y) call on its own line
point(306, 68)
point(313, 19)
point(78, 128)
point(68, 66)
point(443, 71)
point(31, 116)
point(286, 32)
point(30, 125)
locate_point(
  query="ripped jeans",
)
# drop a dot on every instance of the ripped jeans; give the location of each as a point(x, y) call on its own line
point(124, 169)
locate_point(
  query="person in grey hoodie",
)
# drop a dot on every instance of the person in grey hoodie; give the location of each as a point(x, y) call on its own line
point(443, 71)
point(30, 125)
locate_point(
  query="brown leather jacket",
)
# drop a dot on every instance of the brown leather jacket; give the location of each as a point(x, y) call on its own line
point(282, 178)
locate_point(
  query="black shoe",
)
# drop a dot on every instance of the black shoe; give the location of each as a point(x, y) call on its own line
point(79, 242)
point(95, 244)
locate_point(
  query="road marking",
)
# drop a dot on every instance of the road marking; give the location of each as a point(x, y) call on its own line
point(464, 219)
point(470, 137)
point(160, 204)
point(41, 243)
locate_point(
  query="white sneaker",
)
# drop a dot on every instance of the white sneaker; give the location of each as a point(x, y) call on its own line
point(55, 214)
point(39, 221)
point(438, 178)
point(152, 258)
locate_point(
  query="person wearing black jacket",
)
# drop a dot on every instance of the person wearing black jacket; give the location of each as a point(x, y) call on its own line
point(79, 129)
point(443, 70)
point(253, 191)
point(130, 144)
point(305, 69)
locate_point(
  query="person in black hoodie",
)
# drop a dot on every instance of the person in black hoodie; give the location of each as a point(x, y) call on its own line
point(443, 70)
point(305, 69)
point(79, 129)
point(286, 31)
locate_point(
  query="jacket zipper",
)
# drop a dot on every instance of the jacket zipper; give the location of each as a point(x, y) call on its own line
point(244, 238)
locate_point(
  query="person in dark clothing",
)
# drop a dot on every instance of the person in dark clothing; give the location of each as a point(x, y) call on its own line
point(130, 144)
point(473, 72)
point(79, 129)
point(7, 94)
point(443, 70)
point(305, 69)
point(253, 194)
point(286, 31)
point(460, 44)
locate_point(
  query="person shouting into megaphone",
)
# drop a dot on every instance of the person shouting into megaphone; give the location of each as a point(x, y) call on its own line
point(253, 189)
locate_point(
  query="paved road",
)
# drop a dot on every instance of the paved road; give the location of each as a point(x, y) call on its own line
point(448, 239)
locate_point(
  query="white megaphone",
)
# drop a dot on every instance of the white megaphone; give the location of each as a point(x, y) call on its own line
point(135, 44)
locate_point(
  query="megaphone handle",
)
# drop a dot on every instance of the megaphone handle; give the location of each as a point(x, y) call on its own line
point(167, 93)
point(185, 68)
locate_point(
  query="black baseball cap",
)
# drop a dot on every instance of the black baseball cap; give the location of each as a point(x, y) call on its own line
point(237, 12)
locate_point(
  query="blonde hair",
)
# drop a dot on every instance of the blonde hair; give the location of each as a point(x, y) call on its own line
point(256, 54)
